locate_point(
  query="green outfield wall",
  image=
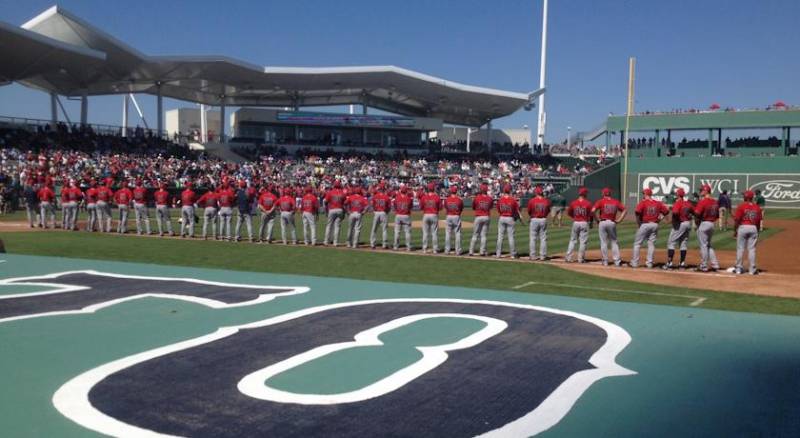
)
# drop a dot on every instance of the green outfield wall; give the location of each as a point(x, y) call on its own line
point(709, 120)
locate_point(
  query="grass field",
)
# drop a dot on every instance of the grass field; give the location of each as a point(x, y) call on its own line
point(387, 266)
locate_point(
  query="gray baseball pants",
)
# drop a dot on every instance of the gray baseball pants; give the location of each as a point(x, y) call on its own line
point(608, 235)
point(480, 227)
point(267, 224)
point(247, 219)
point(122, 225)
point(430, 231)
point(747, 237)
point(505, 226)
point(580, 236)
point(142, 218)
point(452, 231)
point(225, 214)
point(334, 223)
point(353, 229)
point(209, 218)
point(104, 216)
point(287, 224)
point(309, 228)
point(379, 219)
point(647, 232)
point(91, 222)
point(47, 209)
point(402, 222)
point(679, 237)
point(538, 232)
point(705, 232)
point(187, 225)
point(70, 215)
point(163, 218)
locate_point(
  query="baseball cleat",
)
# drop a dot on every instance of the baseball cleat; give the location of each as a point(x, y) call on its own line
point(667, 266)
point(738, 271)
point(649, 266)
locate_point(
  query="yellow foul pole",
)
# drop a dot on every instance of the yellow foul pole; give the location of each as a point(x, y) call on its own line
point(631, 80)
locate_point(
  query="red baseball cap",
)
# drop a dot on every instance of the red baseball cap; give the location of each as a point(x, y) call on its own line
point(680, 192)
point(243, 183)
point(484, 188)
point(507, 188)
point(749, 195)
point(647, 192)
point(606, 191)
point(308, 189)
point(538, 190)
point(188, 184)
point(337, 184)
point(453, 189)
point(706, 188)
point(431, 186)
point(583, 191)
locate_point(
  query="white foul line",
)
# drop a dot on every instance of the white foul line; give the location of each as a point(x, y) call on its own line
point(697, 300)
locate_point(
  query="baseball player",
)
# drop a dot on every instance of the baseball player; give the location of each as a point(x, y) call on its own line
point(267, 205)
point(244, 204)
point(309, 205)
point(682, 210)
point(123, 198)
point(162, 209)
point(649, 212)
point(580, 210)
point(29, 194)
point(608, 212)
point(104, 197)
point(47, 198)
point(334, 204)
point(356, 205)
point(381, 204)
point(140, 208)
point(74, 197)
point(508, 208)
point(208, 202)
point(91, 206)
point(225, 198)
point(747, 220)
point(482, 206)
point(430, 203)
point(188, 199)
point(539, 208)
point(64, 206)
point(287, 206)
point(453, 207)
point(402, 205)
point(706, 213)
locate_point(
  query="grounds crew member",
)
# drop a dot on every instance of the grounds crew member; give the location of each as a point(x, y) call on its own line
point(140, 208)
point(225, 198)
point(334, 206)
point(747, 220)
point(104, 197)
point(309, 205)
point(29, 194)
point(559, 206)
point(608, 212)
point(402, 205)
point(162, 209)
point(649, 212)
point(208, 202)
point(682, 211)
point(287, 205)
point(508, 208)
point(188, 199)
point(123, 198)
point(244, 208)
point(381, 204)
point(706, 213)
point(267, 204)
point(430, 203)
point(356, 205)
point(91, 206)
point(762, 204)
point(539, 208)
point(580, 210)
point(47, 198)
point(74, 197)
point(482, 206)
point(453, 207)
point(724, 202)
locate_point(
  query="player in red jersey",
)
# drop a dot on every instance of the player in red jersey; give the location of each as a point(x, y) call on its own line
point(268, 206)
point(356, 204)
point(649, 213)
point(682, 210)
point(706, 214)
point(402, 205)
point(163, 218)
point(747, 221)
point(453, 207)
point(226, 197)
point(508, 208)
point(608, 212)
point(334, 205)
point(74, 196)
point(208, 202)
point(104, 197)
point(47, 198)
point(309, 206)
point(188, 199)
point(482, 206)
point(91, 205)
point(430, 203)
point(287, 206)
point(538, 210)
point(580, 210)
point(123, 198)
point(140, 209)
point(381, 204)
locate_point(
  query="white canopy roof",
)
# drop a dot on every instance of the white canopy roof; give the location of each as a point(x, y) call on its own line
point(59, 52)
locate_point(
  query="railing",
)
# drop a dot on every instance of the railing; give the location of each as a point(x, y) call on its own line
point(30, 123)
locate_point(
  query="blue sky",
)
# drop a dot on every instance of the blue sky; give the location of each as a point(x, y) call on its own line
point(690, 53)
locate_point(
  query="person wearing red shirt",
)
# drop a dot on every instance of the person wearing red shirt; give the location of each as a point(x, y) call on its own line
point(706, 213)
point(123, 198)
point(402, 205)
point(140, 208)
point(91, 205)
point(161, 197)
point(267, 204)
point(608, 212)
point(226, 198)
point(64, 206)
point(430, 203)
point(73, 195)
point(482, 206)
point(538, 210)
point(309, 205)
point(208, 202)
point(356, 204)
point(682, 211)
point(453, 207)
point(381, 204)
point(287, 205)
point(188, 199)
point(747, 221)
point(508, 208)
point(580, 210)
point(104, 197)
point(649, 213)
point(334, 205)
point(47, 198)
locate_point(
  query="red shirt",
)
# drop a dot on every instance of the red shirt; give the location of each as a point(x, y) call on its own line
point(482, 205)
point(46, 194)
point(74, 194)
point(381, 202)
point(453, 205)
point(649, 210)
point(539, 207)
point(226, 197)
point(608, 208)
point(403, 204)
point(431, 203)
point(286, 203)
point(310, 203)
point(123, 196)
point(334, 199)
point(91, 195)
point(507, 206)
point(267, 200)
point(162, 197)
point(682, 210)
point(707, 209)
point(188, 198)
point(748, 213)
point(356, 203)
point(64, 194)
point(139, 195)
point(104, 194)
point(580, 210)
point(209, 199)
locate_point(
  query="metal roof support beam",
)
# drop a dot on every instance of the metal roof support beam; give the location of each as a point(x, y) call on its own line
point(159, 110)
point(222, 137)
point(63, 111)
point(84, 109)
point(124, 115)
point(53, 109)
point(139, 111)
point(489, 135)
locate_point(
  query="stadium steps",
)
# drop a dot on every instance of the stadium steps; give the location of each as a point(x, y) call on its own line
point(591, 135)
point(221, 150)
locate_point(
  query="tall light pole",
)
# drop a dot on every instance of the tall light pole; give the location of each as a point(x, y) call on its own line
point(542, 115)
point(569, 134)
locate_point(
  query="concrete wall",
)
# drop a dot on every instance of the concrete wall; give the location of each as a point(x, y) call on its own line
point(452, 134)
point(187, 120)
